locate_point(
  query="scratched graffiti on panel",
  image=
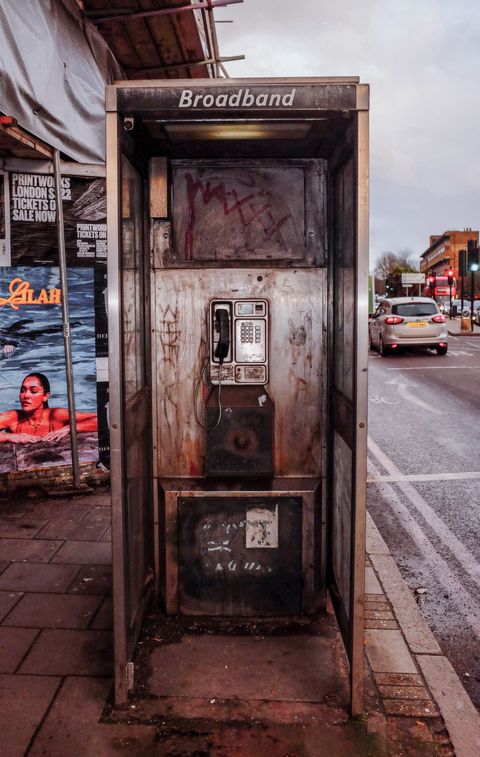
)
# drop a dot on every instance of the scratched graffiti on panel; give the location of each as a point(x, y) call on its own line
point(230, 213)
point(170, 334)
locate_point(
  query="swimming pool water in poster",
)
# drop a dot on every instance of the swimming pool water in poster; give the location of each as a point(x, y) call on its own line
point(31, 340)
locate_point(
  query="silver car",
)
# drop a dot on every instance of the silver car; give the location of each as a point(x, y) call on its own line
point(408, 322)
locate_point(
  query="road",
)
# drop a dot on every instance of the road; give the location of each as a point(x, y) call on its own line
point(424, 487)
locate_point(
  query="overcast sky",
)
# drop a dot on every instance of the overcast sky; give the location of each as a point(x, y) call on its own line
point(422, 61)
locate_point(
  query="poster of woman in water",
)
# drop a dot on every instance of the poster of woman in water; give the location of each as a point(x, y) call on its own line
point(34, 418)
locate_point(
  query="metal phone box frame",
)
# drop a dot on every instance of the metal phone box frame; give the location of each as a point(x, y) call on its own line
point(248, 190)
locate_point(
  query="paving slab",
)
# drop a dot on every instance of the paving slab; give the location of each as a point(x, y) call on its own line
point(65, 653)
point(13, 509)
point(84, 553)
point(461, 718)
point(8, 599)
point(60, 509)
point(94, 579)
point(53, 611)
point(3, 565)
point(24, 700)
point(62, 527)
point(93, 525)
point(203, 735)
point(104, 617)
point(37, 577)
point(287, 668)
point(14, 645)
point(375, 542)
point(28, 550)
point(416, 630)
point(387, 652)
point(372, 585)
point(94, 500)
point(23, 528)
point(73, 726)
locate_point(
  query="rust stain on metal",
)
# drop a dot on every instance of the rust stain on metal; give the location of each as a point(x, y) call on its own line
point(295, 362)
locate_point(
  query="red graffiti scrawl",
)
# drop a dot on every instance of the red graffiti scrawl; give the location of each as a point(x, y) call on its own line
point(252, 207)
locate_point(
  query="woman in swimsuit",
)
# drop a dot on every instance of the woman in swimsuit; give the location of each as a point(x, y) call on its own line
point(36, 420)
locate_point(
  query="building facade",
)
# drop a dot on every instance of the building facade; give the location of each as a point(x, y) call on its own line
point(442, 254)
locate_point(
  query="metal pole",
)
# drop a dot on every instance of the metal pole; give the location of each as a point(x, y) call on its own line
point(472, 287)
point(450, 302)
point(66, 319)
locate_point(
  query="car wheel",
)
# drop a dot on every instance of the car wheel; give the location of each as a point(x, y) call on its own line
point(384, 351)
point(442, 350)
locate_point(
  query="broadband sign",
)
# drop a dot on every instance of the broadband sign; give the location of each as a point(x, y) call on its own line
point(241, 98)
point(191, 99)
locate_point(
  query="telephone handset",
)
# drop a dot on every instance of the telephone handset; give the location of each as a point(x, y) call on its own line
point(222, 327)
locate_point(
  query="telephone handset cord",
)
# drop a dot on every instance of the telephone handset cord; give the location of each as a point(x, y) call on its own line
point(205, 426)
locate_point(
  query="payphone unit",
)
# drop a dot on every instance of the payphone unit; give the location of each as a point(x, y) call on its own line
point(239, 342)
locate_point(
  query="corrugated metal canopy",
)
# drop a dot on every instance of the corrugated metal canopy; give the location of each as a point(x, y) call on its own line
point(159, 38)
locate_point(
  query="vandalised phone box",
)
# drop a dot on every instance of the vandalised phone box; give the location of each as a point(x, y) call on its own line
point(239, 341)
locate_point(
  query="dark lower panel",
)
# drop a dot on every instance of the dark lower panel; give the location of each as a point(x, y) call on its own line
point(240, 556)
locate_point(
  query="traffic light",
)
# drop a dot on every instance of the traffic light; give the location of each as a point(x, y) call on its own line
point(472, 255)
point(450, 278)
point(432, 283)
point(462, 262)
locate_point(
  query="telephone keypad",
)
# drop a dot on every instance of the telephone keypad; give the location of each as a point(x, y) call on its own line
point(246, 332)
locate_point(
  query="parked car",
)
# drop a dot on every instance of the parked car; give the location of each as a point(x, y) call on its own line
point(408, 322)
point(457, 307)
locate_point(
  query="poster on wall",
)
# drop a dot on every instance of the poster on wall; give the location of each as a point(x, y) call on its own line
point(34, 419)
point(4, 220)
point(33, 217)
point(31, 331)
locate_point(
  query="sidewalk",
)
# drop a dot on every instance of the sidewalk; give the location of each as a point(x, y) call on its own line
point(205, 688)
point(455, 328)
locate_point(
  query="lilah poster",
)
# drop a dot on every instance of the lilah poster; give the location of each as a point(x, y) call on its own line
point(34, 419)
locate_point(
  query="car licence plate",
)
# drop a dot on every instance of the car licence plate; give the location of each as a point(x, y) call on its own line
point(417, 324)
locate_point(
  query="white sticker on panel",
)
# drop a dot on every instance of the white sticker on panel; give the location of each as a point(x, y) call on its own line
point(262, 528)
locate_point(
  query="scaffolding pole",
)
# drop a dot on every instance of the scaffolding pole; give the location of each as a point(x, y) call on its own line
point(66, 320)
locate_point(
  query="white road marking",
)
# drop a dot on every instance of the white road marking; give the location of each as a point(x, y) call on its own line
point(381, 400)
point(434, 367)
point(466, 559)
point(461, 353)
point(468, 608)
point(461, 476)
point(402, 385)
